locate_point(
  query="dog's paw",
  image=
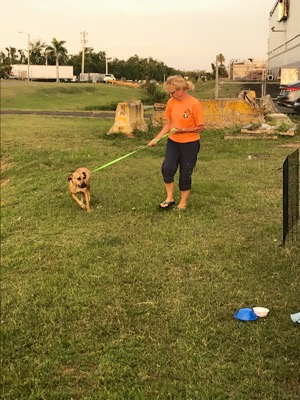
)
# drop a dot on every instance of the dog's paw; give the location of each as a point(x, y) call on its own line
point(82, 205)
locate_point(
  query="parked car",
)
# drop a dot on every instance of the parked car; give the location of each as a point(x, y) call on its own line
point(297, 106)
point(288, 94)
point(109, 78)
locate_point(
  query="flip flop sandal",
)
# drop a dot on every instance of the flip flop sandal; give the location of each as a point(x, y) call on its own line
point(167, 204)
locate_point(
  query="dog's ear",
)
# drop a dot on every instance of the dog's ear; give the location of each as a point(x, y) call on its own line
point(84, 175)
point(70, 177)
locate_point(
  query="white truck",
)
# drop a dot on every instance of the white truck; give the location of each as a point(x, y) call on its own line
point(42, 72)
point(93, 77)
point(108, 78)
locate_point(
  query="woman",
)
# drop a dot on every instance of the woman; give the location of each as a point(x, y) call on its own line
point(184, 117)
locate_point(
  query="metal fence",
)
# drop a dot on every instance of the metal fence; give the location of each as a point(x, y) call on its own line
point(291, 198)
point(263, 88)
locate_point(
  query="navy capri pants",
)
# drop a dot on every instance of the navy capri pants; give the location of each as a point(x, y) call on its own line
point(184, 156)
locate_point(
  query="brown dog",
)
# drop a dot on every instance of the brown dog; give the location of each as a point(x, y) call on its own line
point(79, 182)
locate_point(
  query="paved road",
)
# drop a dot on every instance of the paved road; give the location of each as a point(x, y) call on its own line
point(60, 113)
point(286, 110)
point(97, 114)
point(82, 114)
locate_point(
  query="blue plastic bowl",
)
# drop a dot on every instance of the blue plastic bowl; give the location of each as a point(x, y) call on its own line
point(246, 314)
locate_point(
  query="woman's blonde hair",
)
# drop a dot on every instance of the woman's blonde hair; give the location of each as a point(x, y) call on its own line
point(178, 82)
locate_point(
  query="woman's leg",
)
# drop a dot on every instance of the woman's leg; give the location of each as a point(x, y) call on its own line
point(169, 192)
point(188, 160)
point(183, 199)
point(169, 168)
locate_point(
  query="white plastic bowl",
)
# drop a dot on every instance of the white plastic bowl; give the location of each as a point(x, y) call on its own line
point(296, 317)
point(261, 311)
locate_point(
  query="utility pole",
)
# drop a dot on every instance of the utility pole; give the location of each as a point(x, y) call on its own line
point(106, 63)
point(252, 68)
point(107, 60)
point(84, 41)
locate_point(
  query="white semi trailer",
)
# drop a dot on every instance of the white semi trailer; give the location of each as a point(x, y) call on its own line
point(42, 72)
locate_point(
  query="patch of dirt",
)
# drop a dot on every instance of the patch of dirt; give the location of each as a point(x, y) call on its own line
point(5, 165)
point(292, 145)
point(3, 182)
point(83, 114)
point(86, 114)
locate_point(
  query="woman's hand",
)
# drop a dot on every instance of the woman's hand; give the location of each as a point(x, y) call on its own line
point(163, 133)
point(180, 130)
point(152, 143)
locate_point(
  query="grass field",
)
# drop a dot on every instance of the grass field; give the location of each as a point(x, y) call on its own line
point(130, 302)
point(23, 95)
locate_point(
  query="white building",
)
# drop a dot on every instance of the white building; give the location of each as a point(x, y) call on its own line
point(284, 41)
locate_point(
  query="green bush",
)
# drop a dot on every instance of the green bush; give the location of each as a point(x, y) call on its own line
point(158, 95)
point(106, 107)
point(5, 71)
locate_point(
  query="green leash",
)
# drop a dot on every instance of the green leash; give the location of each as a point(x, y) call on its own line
point(118, 159)
point(130, 154)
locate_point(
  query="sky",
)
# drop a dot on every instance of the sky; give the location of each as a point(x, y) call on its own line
point(183, 34)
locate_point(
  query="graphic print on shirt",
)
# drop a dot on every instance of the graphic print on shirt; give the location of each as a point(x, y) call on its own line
point(187, 113)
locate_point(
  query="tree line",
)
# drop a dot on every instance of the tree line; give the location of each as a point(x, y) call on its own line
point(135, 68)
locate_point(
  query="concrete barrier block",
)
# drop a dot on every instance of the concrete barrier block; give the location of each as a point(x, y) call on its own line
point(158, 118)
point(129, 117)
point(267, 105)
point(223, 113)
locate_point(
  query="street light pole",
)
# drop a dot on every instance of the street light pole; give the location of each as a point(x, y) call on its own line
point(28, 49)
point(252, 68)
point(107, 60)
point(84, 41)
point(106, 63)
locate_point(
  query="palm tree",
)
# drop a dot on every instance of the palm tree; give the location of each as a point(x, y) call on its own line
point(59, 52)
point(37, 52)
point(220, 58)
point(12, 54)
point(22, 56)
